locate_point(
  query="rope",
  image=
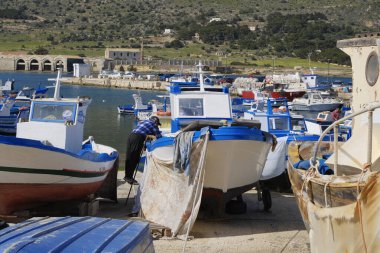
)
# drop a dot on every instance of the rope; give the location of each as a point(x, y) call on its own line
point(310, 174)
point(365, 169)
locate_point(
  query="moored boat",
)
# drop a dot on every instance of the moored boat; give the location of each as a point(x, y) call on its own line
point(313, 101)
point(134, 109)
point(47, 160)
point(225, 157)
point(339, 208)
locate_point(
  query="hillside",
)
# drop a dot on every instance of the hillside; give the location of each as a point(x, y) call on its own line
point(71, 26)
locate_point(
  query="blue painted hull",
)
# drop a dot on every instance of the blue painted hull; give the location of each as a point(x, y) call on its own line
point(76, 234)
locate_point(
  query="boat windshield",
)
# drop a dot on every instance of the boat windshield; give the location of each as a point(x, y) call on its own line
point(298, 124)
point(53, 112)
point(278, 123)
point(191, 107)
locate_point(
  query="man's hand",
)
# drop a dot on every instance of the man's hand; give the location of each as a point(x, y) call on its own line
point(150, 138)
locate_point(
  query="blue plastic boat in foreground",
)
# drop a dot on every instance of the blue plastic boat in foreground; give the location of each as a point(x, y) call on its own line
point(76, 234)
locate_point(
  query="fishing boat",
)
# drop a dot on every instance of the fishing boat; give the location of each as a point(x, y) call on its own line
point(76, 234)
point(213, 104)
point(339, 208)
point(288, 86)
point(135, 108)
point(159, 109)
point(313, 101)
point(276, 119)
point(232, 160)
point(47, 160)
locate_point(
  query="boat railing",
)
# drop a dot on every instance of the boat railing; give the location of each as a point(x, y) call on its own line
point(370, 108)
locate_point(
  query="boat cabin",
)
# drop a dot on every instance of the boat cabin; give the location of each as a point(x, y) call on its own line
point(56, 122)
point(276, 119)
point(193, 103)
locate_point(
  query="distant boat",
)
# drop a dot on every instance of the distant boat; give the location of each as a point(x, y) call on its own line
point(48, 161)
point(313, 101)
point(134, 109)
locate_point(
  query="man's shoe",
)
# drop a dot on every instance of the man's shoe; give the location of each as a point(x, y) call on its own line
point(133, 214)
point(130, 180)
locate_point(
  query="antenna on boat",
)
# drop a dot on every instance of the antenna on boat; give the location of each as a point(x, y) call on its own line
point(200, 71)
point(58, 85)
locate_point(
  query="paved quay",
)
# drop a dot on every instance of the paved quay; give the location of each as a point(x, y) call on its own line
point(279, 230)
point(118, 83)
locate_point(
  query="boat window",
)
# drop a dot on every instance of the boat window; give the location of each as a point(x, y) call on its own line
point(316, 96)
point(372, 69)
point(278, 123)
point(53, 112)
point(298, 125)
point(191, 107)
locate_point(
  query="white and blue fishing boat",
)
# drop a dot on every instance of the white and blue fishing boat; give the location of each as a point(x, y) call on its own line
point(135, 108)
point(236, 151)
point(313, 101)
point(48, 160)
point(77, 234)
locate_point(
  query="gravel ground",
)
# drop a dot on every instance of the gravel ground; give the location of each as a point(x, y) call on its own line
point(279, 230)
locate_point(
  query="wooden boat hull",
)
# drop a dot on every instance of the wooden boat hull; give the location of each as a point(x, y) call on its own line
point(15, 197)
point(32, 175)
point(338, 211)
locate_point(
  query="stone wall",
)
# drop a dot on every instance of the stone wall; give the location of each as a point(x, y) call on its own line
point(7, 64)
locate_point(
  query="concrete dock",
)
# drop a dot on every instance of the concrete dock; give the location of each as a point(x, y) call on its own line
point(118, 83)
point(279, 230)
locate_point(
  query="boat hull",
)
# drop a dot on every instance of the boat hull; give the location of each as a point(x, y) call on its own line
point(231, 166)
point(77, 234)
point(340, 211)
point(315, 107)
point(290, 95)
point(31, 175)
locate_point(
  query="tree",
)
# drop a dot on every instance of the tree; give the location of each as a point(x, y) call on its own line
point(41, 51)
point(174, 44)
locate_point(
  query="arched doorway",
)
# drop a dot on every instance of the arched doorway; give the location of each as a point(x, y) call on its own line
point(20, 64)
point(34, 65)
point(58, 65)
point(121, 68)
point(46, 66)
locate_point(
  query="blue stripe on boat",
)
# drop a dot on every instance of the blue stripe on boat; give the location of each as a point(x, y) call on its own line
point(14, 141)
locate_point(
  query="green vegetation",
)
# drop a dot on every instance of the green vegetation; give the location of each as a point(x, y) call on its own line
point(285, 29)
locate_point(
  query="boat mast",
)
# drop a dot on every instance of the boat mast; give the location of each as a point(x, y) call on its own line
point(200, 71)
point(58, 85)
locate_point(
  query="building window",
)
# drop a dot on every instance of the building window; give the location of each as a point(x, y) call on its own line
point(114, 54)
